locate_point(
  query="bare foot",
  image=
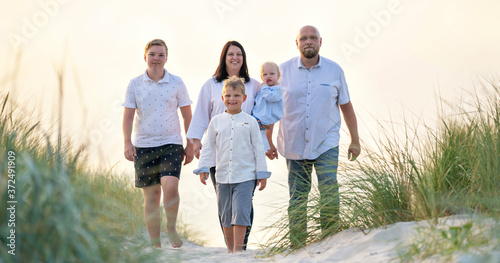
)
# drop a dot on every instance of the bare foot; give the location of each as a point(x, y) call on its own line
point(175, 239)
point(156, 243)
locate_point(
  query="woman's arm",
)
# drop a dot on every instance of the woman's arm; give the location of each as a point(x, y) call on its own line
point(201, 118)
point(208, 151)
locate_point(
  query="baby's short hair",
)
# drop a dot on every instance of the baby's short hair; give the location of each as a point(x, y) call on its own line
point(235, 83)
point(272, 64)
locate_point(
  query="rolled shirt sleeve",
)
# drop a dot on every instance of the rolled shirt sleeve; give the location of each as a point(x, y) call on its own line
point(238, 143)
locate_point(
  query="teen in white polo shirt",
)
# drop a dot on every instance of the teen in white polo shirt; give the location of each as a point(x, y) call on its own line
point(156, 150)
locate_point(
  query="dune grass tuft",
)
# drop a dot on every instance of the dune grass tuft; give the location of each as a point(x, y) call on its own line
point(64, 213)
point(424, 174)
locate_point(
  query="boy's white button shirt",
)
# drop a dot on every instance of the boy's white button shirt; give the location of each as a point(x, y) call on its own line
point(240, 152)
point(210, 104)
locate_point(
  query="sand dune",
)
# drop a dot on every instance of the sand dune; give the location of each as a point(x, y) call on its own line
point(352, 245)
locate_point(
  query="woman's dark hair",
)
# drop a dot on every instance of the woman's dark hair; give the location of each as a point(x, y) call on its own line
point(221, 72)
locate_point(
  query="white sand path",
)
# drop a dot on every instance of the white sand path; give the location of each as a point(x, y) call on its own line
point(377, 245)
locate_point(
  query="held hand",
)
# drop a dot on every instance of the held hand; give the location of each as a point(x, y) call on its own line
point(272, 152)
point(129, 151)
point(354, 151)
point(197, 148)
point(203, 178)
point(262, 183)
point(188, 154)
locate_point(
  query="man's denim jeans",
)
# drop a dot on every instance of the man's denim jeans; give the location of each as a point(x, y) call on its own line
point(299, 182)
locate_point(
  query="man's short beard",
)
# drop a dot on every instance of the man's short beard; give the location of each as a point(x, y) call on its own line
point(308, 53)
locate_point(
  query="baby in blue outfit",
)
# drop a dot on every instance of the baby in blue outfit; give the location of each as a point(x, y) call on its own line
point(268, 107)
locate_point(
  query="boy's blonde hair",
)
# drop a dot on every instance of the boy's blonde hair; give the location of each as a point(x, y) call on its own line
point(155, 42)
point(270, 63)
point(234, 82)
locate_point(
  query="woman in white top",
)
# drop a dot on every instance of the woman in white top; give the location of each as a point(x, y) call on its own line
point(233, 62)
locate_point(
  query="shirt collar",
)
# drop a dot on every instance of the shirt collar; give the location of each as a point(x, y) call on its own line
point(165, 79)
point(229, 114)
point(301, 65)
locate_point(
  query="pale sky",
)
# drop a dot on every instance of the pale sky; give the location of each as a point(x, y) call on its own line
point(396, 55)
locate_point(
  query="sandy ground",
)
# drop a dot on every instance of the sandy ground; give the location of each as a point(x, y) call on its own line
point(377, 245)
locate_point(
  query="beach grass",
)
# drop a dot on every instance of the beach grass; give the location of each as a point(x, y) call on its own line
point(417, 171)
point(475, 239)
point(65, 211)
point(62, 211)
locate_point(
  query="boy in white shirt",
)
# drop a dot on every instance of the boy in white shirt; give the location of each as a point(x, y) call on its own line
point(240, 160)
point(156, 149)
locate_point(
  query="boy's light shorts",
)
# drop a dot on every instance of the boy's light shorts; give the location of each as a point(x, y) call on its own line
point(234, 202)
